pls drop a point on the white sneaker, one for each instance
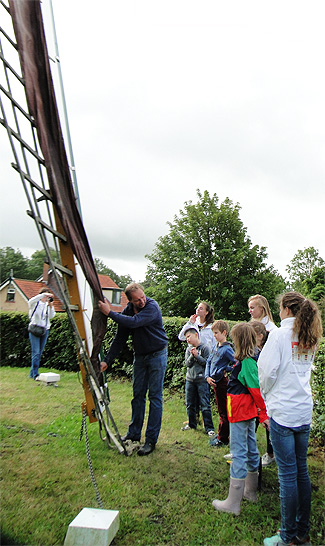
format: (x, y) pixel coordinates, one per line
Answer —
(267, 459)
(211, 433)
(186, 427)
(228, 456)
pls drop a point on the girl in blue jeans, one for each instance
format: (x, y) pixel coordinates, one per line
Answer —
(284, 368)
(244, 404)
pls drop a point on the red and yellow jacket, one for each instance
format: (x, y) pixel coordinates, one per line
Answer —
(244, 400)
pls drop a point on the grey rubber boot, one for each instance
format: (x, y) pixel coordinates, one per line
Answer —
(250, 489)
(235, 495)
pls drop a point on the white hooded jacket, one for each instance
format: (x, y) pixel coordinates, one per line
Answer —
(284, 377)
(40, 312)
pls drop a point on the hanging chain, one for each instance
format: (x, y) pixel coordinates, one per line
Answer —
(91, 471)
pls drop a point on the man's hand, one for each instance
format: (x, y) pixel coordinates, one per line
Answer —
(211, 381)
(104, 307)
(103, 366)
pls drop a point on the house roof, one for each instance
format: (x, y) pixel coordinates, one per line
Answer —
(31, 288)
(107, 283)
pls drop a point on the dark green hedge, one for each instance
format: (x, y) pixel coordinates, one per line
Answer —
(60, 354)
(175, 373)
(318, 388)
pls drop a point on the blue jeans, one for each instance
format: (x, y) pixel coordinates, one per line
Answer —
(37, 346)
(148, 376)
(245, 455)
(290, 450)
(198, 392)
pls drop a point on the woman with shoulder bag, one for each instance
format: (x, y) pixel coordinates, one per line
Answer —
(41, 310)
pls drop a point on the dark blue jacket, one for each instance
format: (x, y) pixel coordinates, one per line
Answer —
(145, 327)
(219, 361)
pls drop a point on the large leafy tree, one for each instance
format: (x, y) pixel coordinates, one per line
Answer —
(121, 280)
(301, 267)
(12, 261)
(207, 255)
(35, 263)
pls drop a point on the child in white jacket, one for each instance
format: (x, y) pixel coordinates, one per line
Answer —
(284, 369)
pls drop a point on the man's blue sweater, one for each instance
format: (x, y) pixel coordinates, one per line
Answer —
(145, 327)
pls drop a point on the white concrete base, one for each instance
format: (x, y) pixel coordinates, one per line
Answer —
(49, 377)
(93, 527)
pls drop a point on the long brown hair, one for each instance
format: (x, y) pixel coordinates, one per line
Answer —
(244, 338)
(210, 312)
(260, 330)
(308, 323)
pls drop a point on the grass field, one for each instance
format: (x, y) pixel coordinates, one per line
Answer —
(163, 499)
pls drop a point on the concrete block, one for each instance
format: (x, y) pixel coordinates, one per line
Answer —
(93, 527)
(49, 377)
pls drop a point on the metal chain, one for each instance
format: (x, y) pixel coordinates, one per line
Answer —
(91, 471)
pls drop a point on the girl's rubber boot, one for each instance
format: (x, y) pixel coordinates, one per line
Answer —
(232, 502)
(251, 484)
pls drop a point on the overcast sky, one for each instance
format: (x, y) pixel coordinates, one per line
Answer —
(165, 97)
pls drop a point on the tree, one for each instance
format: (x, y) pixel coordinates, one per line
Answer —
(12, 260)
(121, 281)
(35, 264)
(301, 267)
(207, 255)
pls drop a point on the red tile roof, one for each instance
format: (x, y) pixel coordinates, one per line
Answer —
(32, 288)
(106, 283)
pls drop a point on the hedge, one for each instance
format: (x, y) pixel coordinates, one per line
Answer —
(60, 354)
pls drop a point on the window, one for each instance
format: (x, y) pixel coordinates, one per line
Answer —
(116, 297)
(11, 294)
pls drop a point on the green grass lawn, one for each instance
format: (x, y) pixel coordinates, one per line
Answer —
(163, 499)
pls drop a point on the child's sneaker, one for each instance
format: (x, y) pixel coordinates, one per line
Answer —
(186, 427)
(228, 456)
(211, 433)
(267, 459)
(277, 541)
(215, 442)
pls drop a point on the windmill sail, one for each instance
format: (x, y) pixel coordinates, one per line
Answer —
(33, 126)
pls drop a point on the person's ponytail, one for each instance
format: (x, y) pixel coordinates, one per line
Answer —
(308, 323)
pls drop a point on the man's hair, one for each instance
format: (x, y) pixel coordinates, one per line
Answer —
(132, 287)
(191, 331)
(220, 325)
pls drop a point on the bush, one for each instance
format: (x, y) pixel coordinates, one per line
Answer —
(318, 389)
(60, 350)
(176, 370)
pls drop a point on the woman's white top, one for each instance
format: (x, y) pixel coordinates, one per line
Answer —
(284, 377)
(269, 325)
(205, 333)
(43, 312)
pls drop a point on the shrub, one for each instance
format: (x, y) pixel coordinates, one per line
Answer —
(60, 350)
(318, 389)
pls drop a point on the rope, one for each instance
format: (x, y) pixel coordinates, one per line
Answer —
(91, 471)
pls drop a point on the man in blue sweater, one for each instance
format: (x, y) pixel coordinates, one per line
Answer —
(142, 319)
